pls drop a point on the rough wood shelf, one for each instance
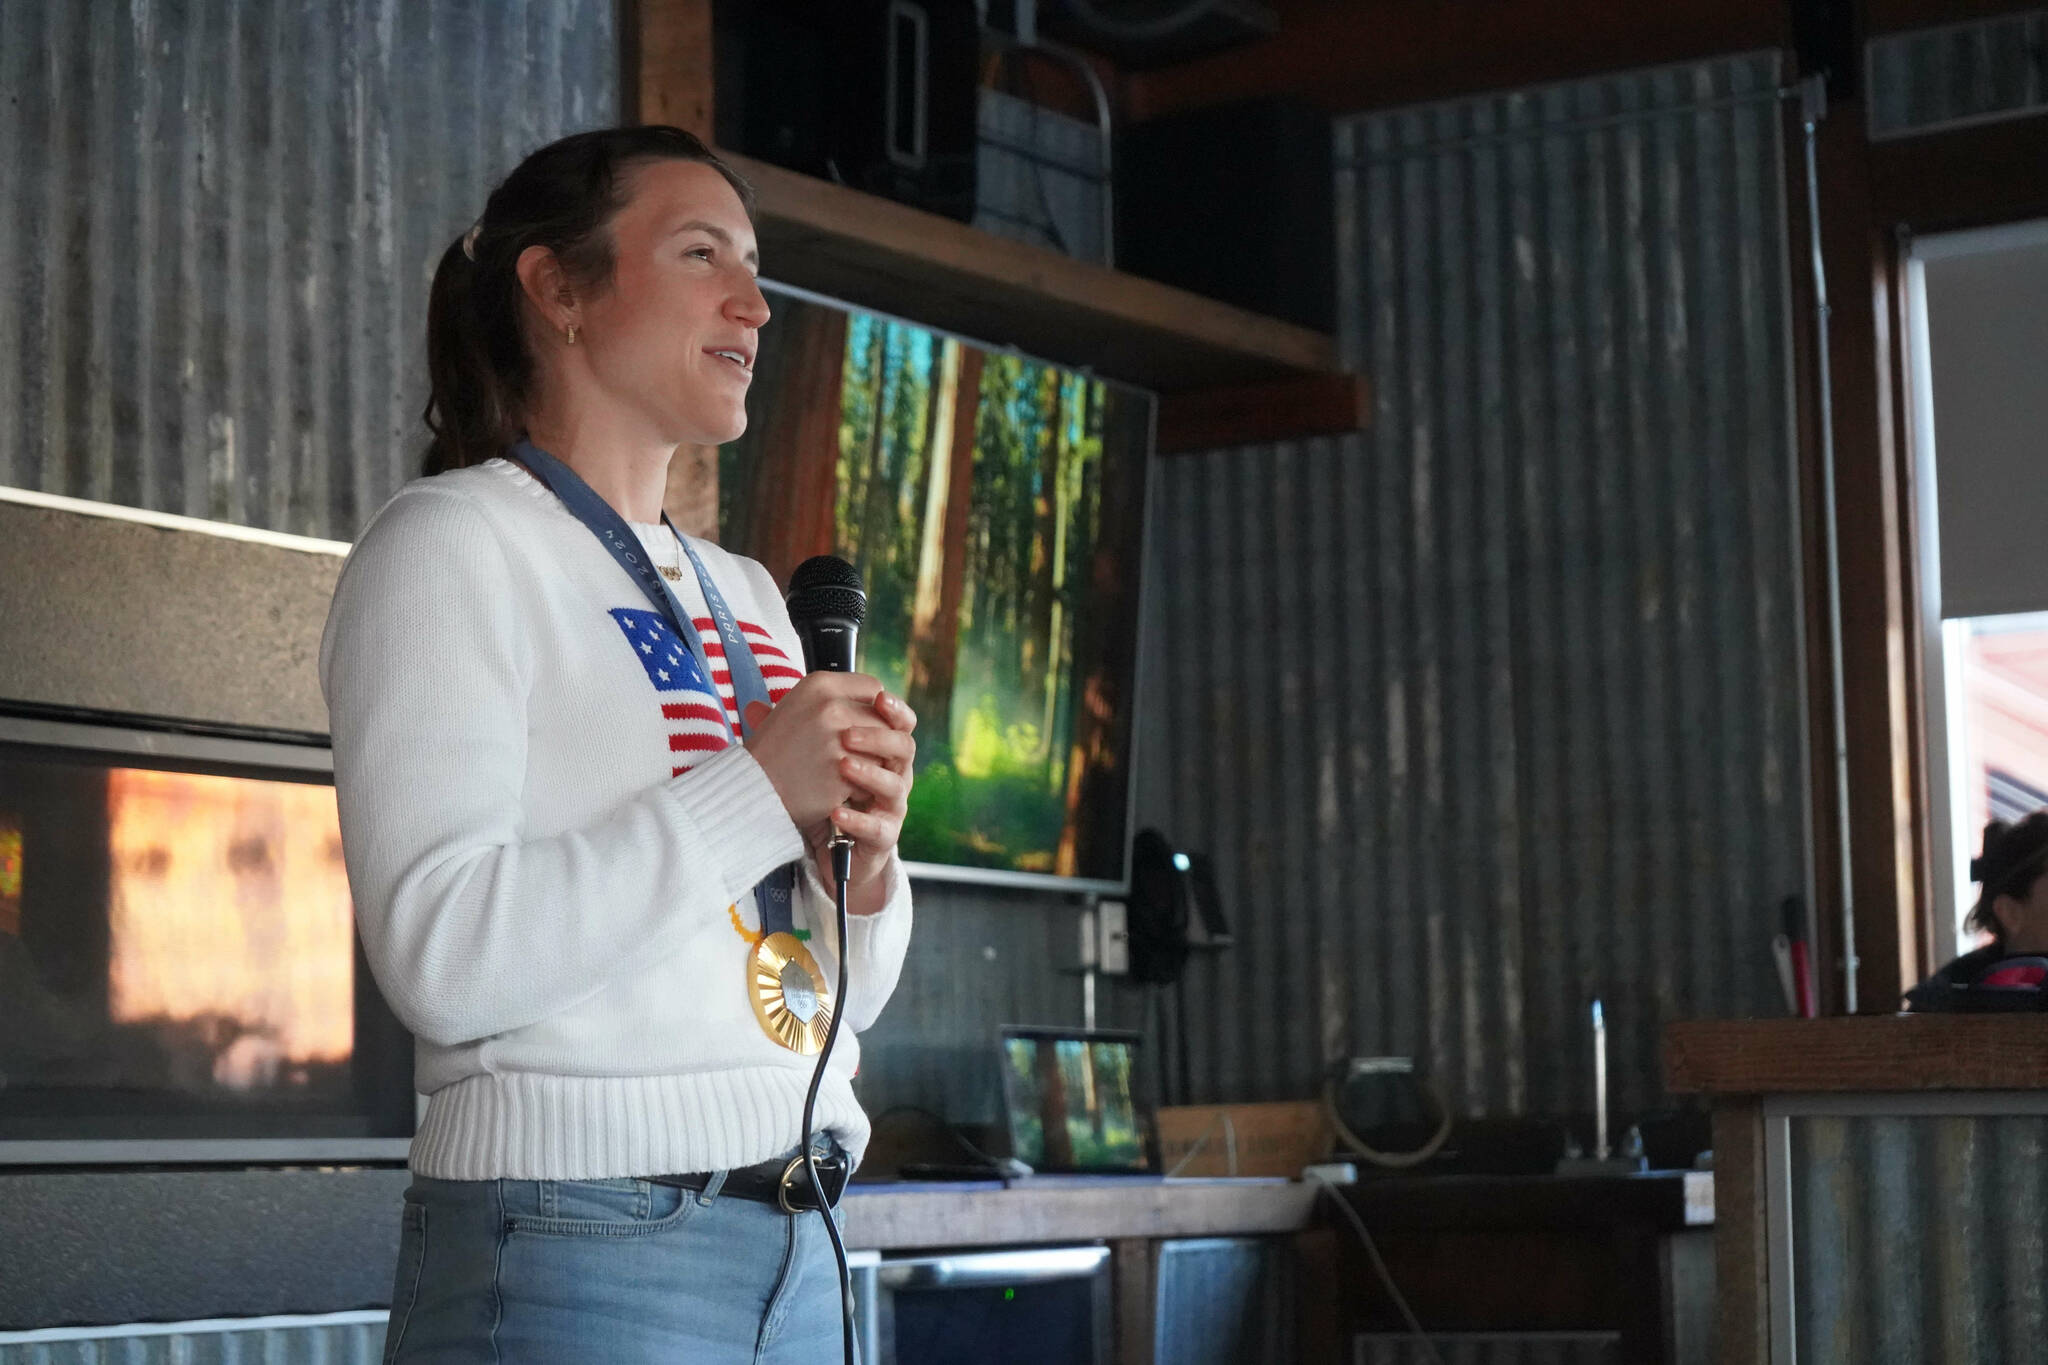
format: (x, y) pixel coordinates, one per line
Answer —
(879, 254)
(1859, 1054)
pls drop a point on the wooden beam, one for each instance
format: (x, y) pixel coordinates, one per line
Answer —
(1977, 176)
(1319, 1290)
(1823, 803)
(691, 495)
(1347, 55)
(1280, 410)
(668, 52)
(876, 253)
(1898, 1052)
(1923, 944)
(1742, 1247)
(1134, 1289)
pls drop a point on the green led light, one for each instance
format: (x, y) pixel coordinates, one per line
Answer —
(1009, 1294)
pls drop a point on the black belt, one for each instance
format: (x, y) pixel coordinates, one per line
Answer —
(782, 1182)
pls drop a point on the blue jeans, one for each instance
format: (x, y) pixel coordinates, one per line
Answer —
(612, 1272)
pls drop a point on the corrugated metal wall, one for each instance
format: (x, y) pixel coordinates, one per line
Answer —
(344, 1339)
(1039, 177)
(1225, 1301)
(1498, 706)
(1921, 1239)
(981, 957)
(1960, 73)
(221, 220)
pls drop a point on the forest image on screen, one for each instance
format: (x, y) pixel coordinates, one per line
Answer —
(1072, 1104)
(992, 506)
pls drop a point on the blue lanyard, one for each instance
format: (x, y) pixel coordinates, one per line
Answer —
(748, 685)
(775, 893)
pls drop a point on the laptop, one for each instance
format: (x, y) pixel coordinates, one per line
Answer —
(1079, 1102)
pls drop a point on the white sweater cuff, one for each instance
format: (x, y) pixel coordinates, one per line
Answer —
(734, 806)
(876, 943)
(895, 901)
(879, 940)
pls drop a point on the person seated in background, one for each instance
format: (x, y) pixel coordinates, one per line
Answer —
(2011, 971)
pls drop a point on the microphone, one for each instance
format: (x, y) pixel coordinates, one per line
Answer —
(827, 605)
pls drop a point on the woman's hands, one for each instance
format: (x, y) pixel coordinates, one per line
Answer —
(838, 750)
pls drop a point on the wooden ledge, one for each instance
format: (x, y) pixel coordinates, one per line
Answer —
(1860, 1054)
(879, 254)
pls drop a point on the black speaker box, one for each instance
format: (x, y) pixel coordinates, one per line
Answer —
(774, 83)
(877, 94)
(1235, 202)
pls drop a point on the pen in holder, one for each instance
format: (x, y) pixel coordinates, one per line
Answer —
(1602, 1162)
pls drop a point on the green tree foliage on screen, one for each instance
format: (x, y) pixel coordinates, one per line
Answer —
(969, 493)
(994, 780)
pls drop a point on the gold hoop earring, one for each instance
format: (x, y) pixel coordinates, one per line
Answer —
(571, 334)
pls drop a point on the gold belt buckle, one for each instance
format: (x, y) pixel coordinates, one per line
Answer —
(782, 1187)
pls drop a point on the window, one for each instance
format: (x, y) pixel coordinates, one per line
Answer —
(1979, 327)
(1997, 725)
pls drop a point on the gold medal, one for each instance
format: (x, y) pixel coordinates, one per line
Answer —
(789, 993)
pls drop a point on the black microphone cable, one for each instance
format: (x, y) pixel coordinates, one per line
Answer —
(827, 606)
(842, 871)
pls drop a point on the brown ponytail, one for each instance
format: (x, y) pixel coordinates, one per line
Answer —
(479, 370)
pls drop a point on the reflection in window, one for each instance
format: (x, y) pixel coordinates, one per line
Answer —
(229, 914)
(1998, 727)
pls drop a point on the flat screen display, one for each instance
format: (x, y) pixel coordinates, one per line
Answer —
(178, 957)
(1077, 1102)
(994, 507)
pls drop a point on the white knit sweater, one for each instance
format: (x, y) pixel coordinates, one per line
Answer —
(551, 867)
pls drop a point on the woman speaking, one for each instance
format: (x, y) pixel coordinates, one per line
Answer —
(585, 798)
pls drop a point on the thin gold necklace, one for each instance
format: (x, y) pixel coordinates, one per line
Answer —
(673, 572)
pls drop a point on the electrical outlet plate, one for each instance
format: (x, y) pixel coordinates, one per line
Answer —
(1113, 945)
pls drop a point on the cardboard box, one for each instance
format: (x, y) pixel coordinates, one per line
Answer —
(1276, 1138)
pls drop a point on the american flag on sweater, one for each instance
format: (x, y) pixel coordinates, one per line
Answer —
(689, 704)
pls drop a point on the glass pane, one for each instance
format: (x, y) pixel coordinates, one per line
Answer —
(170, 942)
(2002, 753)
(229, 914)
